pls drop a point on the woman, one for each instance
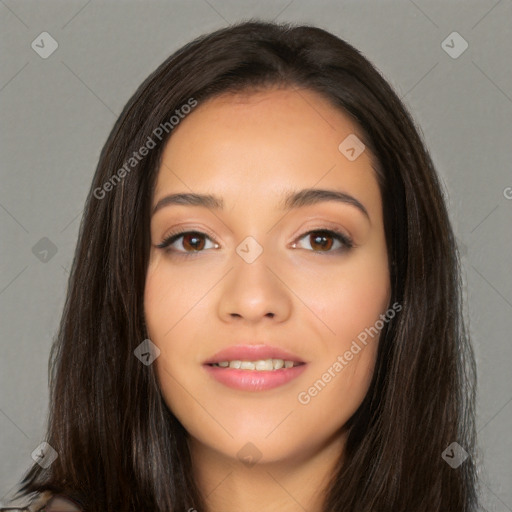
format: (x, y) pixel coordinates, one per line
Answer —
(264, 308)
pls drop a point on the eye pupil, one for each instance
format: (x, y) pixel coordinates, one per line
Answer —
(191, 240)
(321, 239)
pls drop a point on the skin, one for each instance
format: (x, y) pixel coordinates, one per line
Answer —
(250, 149)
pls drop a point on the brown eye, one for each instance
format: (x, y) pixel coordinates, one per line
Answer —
(193, 241)
(323, 240)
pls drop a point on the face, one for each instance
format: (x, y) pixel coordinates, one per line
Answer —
(265, 278)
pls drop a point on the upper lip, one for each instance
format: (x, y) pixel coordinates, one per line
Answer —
(252, 353)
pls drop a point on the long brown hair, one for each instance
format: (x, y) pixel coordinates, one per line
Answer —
(119, 446)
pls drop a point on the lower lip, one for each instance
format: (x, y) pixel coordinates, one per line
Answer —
(254, 380)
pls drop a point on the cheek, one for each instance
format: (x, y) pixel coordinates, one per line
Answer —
(170, 298)
(350, 299)
(340, 378)
(174, 304)
(351, 306)
(165, 303)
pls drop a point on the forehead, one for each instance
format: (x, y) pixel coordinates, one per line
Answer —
(252, 147)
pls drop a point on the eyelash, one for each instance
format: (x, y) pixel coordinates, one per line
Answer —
(346, 241)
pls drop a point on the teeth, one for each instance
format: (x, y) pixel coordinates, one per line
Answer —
(277, 363)
(264, 365)
(260, 365)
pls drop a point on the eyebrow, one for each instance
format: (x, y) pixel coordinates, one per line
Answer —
(297, 199)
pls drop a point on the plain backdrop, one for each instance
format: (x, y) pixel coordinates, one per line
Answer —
(58, 111)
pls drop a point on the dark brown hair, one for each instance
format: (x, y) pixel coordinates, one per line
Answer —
(120, 447)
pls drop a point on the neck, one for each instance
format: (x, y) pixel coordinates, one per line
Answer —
(296, 484)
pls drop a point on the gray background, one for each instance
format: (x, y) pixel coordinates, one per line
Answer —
(58, 111)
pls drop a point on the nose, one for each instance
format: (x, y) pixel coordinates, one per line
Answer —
(253, 291)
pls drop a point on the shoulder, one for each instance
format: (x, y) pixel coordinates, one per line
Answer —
(47, 502)
(61, 504)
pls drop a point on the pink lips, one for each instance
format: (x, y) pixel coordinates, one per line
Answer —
(252, 353)
(253, 380)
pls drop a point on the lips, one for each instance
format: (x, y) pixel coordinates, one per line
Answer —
(254, 379)
(252, 353)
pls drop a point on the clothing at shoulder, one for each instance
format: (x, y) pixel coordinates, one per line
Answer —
(47, 502)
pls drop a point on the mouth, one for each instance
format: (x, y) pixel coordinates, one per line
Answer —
(259, 365)
(254, 367)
